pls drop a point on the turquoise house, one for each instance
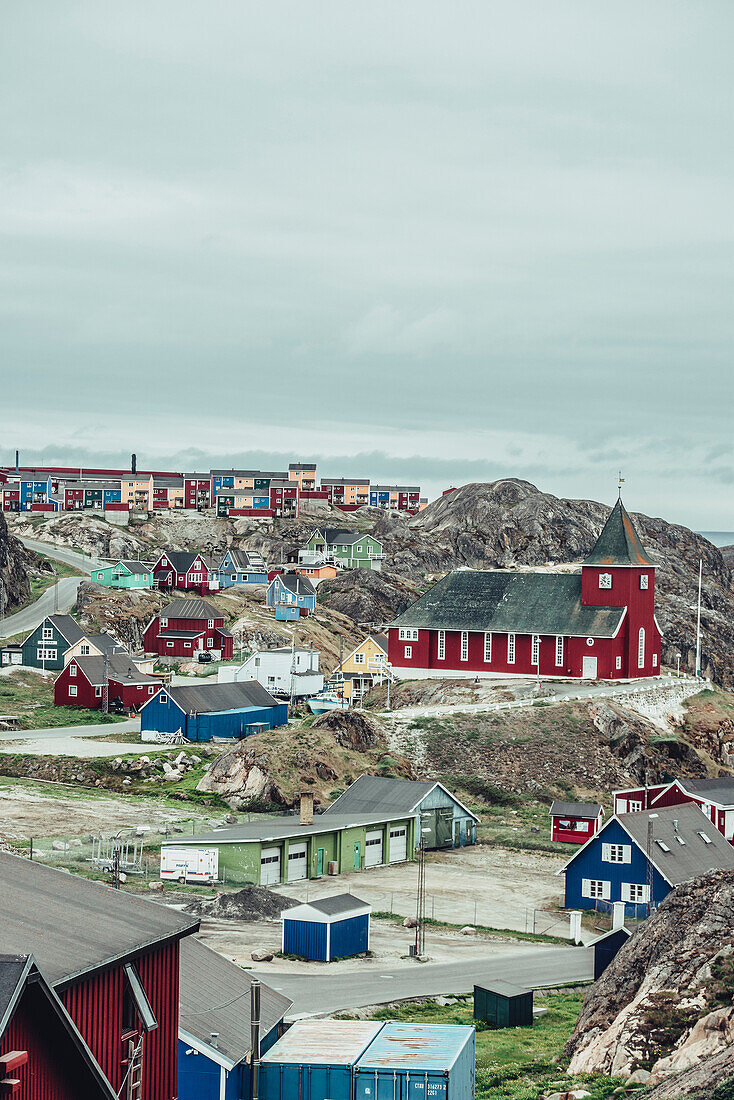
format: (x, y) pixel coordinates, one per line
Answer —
(125, 574)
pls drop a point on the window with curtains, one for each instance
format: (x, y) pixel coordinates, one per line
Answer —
(559, 650)
(510, 649)
(441, 651)
(487, 646)
(465, 645)
(641, 648)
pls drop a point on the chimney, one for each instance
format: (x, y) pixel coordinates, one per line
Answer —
(307, 808)
(17, 461)
(214, 1039)
(133, 464)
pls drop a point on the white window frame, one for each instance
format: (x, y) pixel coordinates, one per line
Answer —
(535, 650)
(162, 698)
(618, 663)
(98, 693)
(559, 650)
(407, 634)
(163, 622)
(464, 645)
(169, 645)
(72, 670)
(359, 659)
(210, 624)
(641, 647)
(654, 660)
(210, 643)
(187, 645)
(644, 582)
(48, 634)
(636, 893)
(45, 654)
(408, 652)
(510, 649)
(634, 806)
(72, 691)
(596, 888)
(441, 646)
(84, 650)
(616, 853)
(487, 646)
(605, 580)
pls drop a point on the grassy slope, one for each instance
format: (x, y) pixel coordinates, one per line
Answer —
(515, 1063)
(31, 696)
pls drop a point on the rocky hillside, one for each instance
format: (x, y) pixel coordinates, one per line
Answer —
(665, 1003)
(15, 565)
(367, 596)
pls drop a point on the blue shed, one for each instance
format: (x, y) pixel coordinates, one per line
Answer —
(614, 865)
(326, 929)
(203, 711)
(315, 1060)
(418, 1061)
(214, 1038)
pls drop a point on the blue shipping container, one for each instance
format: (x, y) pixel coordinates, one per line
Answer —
(314, 1060)
(418, 1062)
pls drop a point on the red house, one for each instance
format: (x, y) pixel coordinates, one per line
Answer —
(82, 682)
(714, 796)
(197, 491)
(596, 623)
(182, 569)
(112, 961)
(185, 628)
(575, 822)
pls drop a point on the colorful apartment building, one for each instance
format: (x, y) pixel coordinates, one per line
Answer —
(349, 493)
(304, 473)
(395, 498)
(348, 549)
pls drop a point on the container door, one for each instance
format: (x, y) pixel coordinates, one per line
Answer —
(398, 844)
(425, 1086)
(385, 1085)
(297, 863)
(269, 866)
(373, 848)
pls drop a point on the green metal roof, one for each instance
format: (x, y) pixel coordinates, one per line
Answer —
(618, 543)
(511, 603)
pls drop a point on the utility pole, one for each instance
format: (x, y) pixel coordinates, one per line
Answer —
(2, 608)
(650, 873)
(698, 619)
(106, 684)
(420, 908)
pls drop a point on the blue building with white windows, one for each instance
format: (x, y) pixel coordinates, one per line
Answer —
(291, 595)
(639, 858)
(241, 567)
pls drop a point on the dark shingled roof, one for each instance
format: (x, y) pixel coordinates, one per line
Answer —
(337, 903)
(67, 627)
(181, 560)
(135, 567)
(683, 861)
(520, 603)
(588, 811)
(244, 560)
(214, 996)
(208, 698)
(190, 609)
(13, 969)
(294, 582)
(374, 793)
(713, 790)
(73, 926)
(619, 543)
(119, 667)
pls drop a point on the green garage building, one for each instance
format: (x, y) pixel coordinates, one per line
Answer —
(281, 849)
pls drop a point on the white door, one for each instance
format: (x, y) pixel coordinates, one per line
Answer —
(588, 668)
(297, 864)
(269, 866)
(373, 848)
(398, 844)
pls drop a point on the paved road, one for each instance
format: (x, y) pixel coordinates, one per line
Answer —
(66, 589)
(131, 725)
(314, 994)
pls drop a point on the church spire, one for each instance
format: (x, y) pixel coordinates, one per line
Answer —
(619, 543)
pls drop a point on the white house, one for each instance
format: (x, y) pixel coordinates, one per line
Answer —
(280, 669)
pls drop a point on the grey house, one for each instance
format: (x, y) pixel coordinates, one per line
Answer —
(450, 823)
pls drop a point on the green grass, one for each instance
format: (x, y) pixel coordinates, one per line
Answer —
(515, 1063)
(31, 697)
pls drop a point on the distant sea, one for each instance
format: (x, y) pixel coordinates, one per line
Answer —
(719, 538)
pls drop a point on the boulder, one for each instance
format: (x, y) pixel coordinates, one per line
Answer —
(468, 930)
(261, 956)
(353, 729)
(410, 922)
(157, 886)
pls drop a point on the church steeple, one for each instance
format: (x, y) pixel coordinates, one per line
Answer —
(619, 543)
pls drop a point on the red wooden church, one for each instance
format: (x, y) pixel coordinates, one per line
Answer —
(103, 1021)
(598, 622)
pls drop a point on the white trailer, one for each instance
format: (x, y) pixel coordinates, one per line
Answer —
(190, 864)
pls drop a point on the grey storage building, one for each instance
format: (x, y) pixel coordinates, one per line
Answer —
(450, 823)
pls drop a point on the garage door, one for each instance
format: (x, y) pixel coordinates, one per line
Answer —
(373, 848)
(398, 844)
(269, 866)
(297, 864)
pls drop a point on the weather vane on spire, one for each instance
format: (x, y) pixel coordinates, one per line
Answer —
(620, 484)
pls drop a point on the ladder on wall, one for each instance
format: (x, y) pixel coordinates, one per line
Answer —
(135, 1070)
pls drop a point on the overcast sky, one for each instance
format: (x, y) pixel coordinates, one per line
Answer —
(429, 241)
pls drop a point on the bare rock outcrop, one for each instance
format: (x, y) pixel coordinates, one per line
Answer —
(665, 1001)
(241, 776)
(350, 728)
(366, 595)
(123, 613)
(15, 565)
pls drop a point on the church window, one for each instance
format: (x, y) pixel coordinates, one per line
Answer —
(559, 650)
(641, 648)
(441, 655)
(510, 649)
(465, 645)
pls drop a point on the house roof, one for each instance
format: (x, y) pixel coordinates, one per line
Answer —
(243, 559)
(67, 627)
(521, 603)
(301, 465)
(214, 996)
(135, 566)
(294, 582)
(186, 634)
(677, 862)
(120, 668)
(720, 791)
(289, 825)
(13, 972)
(104, 642)
(380, 640)
(588, 811)
(210, 698)
(74, 926)
(337, 903)
(380, 794)
(340, 536)
(181, 560)
(618, 543)
(192, 608)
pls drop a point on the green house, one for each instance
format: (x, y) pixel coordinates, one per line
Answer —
(125, 574)
(350, 549)
(46, 645)
(281, 849)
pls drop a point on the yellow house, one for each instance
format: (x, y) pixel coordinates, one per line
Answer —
(362, 669)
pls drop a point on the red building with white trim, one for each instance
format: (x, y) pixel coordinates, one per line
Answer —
(715, 797)
(575, 822)
(113, 962)
(81, 683)
(185, 628)
(182, 570)
(595, 623)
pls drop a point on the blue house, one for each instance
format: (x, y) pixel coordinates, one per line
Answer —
(614, 865)
(329, 928)
(213, 710)
(291, 595)
(34, 492)
(214, 1038)
(241, 567)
